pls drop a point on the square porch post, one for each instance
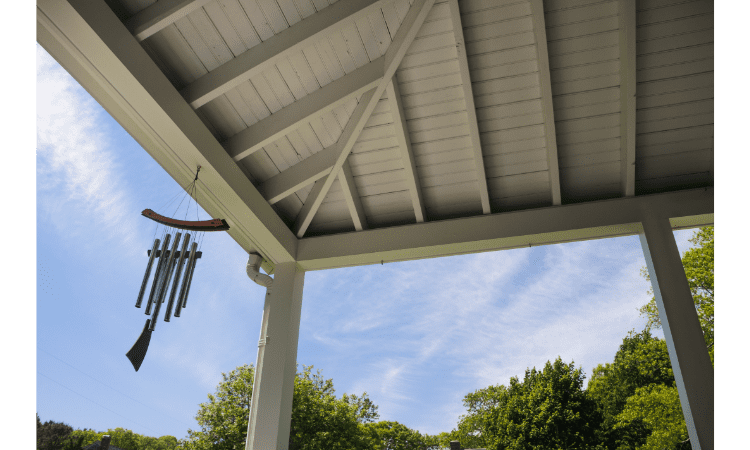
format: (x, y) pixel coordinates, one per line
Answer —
(276, 367)
(691, 363)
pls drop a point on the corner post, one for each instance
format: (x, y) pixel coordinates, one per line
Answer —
(691, 363)
(276, 367)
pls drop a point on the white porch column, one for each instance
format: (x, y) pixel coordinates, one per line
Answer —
(276, 367)
(687, 349)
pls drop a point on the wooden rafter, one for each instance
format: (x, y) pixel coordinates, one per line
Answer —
(471, 112)
(340, 151)
(160, 15)
(404, 145)
(353, 202)
(264, 55)
(393, 56)
(627, 96)
(540, 33)
(304, 110)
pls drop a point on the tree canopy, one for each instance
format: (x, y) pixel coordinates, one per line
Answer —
(641, 361)
(320, 420)
(124, 439)
(548, 409)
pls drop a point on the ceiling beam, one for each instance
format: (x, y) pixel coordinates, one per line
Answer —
(404, 146)
(353, 202)
(471, 112)
(304, 110)
(160, 15)
(537, 10)
(532, 227)
(393, 56)
(627, 96)
(94, 46)
(264, 55)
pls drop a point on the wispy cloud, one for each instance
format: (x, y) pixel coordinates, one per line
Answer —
(76, 165)
(467, 322)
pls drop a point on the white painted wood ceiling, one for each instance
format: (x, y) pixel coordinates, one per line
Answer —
(511, 104)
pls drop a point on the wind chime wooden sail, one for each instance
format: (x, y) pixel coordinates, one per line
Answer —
(170, 263)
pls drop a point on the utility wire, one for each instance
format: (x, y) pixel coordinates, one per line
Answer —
(71, 390)
(101, 382)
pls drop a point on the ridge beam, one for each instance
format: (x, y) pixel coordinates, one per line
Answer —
(160, 15)
(264, 55)
(627, 96)
(404, 145)
(471, 112)
(393, 56)
(304, 110)
(537, 12)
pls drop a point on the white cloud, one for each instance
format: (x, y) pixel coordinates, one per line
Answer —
(76, 167)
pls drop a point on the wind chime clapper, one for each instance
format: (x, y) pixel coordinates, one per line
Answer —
(173, 266)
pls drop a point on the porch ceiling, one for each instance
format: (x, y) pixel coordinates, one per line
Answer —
(350, 132)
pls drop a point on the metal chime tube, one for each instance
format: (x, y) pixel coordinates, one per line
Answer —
(189, 279)
(185, 280)
(157, 275)
(167, 276)
(178, 272)
(148, 273)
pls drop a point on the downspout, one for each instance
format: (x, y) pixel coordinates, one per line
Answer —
(253, 271)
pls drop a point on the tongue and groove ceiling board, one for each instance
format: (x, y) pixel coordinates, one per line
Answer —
(351, 116)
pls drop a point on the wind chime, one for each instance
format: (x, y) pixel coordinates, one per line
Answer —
(183, 253)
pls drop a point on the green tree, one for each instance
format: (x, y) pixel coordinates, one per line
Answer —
(125, 439)
(547, 410)
(52, 435)
(699, 269)
(472, 429)
(319, 419)
(658, 408)
(641, 361)
(396, 436)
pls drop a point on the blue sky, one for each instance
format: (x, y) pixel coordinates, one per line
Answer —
(416, 336)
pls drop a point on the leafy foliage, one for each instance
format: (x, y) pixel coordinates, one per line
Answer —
(319, 419)
(52, 435)
(699, 269)
(658, 408)
(125, 439)
(396, 436)
(547, 410)
(642, 360)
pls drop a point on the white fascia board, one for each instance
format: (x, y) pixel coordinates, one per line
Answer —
(542, 226)
(627, 96)
(471, 112)
(540, 32)
(91, 43)
(304, 110)
(160, 15)
(264, 55)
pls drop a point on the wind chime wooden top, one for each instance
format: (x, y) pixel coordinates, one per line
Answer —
(170, 265)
